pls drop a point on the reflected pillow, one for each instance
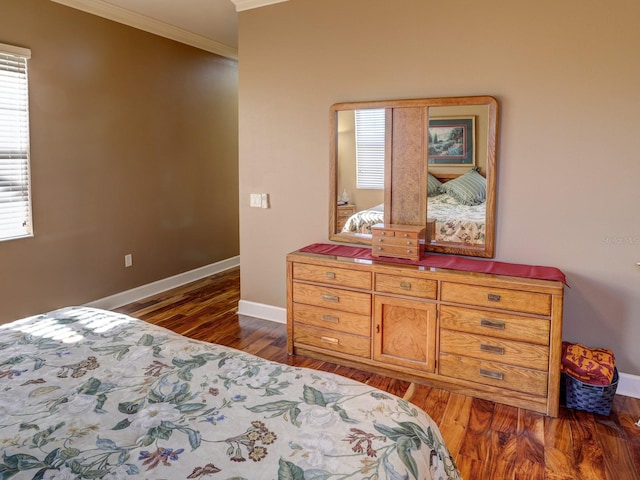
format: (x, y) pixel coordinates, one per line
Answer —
(433, 185)
(468, 189)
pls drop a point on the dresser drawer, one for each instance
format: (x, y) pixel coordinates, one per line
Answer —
(406, 242)
(333, 319)
(516, 300)
(394, 251)
(533, 382)
(332, 276)
(332, 298)
(494, 349)
(332, 340)
(500, 325)
(398, 232)
(415, 287)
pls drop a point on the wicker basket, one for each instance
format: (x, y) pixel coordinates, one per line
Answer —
(590, 398)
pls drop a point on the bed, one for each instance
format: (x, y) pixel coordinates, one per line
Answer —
(456, 209)
(92, 394)
(452, 221)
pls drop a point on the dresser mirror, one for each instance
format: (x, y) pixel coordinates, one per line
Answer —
(428, 162)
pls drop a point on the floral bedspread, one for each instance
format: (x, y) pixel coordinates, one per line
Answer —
(362, 221)
(454, 222)
(91, 394)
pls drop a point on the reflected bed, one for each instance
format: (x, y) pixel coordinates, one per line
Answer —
(454, 221)
(88, 393)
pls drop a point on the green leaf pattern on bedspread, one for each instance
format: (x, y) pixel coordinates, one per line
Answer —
(89, 394)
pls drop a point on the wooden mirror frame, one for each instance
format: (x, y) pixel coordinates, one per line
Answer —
(406, 144)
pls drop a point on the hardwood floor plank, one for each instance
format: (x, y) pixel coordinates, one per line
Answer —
(435, 403)
(530, 446)
(588, 455)
(488, 441)
(618, 460)
(626, 411)
(503, 443)
(475, 444)
(559, 455)
(454, 422)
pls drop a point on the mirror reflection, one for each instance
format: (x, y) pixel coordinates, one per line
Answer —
(360, 171)
(441, 155)
(457, 169)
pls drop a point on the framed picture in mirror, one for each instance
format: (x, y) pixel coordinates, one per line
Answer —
(452, 141)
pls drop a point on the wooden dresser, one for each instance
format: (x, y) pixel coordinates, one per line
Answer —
(489, 336)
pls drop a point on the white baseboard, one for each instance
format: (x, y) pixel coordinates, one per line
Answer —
(144, 291)
(260, 310)
(628, 385)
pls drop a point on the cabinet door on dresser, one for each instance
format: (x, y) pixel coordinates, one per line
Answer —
(405, 333)
(405, 328)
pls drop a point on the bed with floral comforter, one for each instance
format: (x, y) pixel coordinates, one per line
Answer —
(92, 394)
(454, 222)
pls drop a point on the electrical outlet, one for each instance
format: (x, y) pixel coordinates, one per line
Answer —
(128, 260)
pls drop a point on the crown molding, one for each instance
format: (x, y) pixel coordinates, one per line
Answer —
(249, 4)
(142, 22)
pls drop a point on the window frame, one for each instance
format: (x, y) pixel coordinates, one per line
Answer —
(15, 156)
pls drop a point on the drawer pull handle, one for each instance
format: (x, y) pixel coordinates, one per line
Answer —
(380, 249)
(493, 297)
(404, 285)
(492, 349)
(485, 322)
(330, 275)
(490, 374)
(332, 341)
(330, 318)
(330, 298)
(378, 328)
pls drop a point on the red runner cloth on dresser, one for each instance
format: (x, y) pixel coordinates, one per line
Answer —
(445, 261)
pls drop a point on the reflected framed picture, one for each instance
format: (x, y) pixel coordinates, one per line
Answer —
(452, 141)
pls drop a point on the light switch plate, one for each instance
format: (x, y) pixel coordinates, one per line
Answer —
(256, 200)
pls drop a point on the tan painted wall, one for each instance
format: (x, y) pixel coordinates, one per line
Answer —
(133, 150)
(566, 76)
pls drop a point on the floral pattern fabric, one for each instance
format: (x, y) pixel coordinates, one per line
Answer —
(454, 221)
(91, 394)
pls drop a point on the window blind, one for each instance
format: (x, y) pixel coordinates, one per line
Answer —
(15, 191)
(369, 129)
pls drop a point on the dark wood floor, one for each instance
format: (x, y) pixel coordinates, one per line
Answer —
(489, 441)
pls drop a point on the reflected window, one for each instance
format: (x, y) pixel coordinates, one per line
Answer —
(369, 130)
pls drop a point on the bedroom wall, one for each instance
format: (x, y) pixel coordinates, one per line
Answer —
(133, 150)
(566, 76)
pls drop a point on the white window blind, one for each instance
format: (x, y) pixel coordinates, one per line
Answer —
(370, 148)
(15, 191)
